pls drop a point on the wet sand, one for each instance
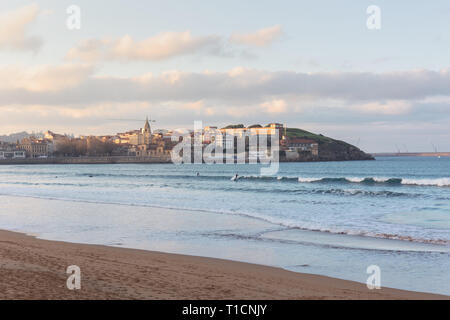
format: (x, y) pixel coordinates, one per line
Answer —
(32, 268)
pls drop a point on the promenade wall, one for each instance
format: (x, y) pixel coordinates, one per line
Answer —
(89, 160)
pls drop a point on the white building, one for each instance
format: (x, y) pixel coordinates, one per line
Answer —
(12, 154)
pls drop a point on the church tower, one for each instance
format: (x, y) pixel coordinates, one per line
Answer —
(147, 132)
(147, 127)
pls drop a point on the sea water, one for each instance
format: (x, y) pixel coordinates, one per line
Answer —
(329, 218)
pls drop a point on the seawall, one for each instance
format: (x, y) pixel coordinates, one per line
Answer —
(88, 160)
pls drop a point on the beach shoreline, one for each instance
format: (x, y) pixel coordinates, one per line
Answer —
(32, 268)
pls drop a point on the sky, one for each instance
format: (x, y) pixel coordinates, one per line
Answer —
(309, 64)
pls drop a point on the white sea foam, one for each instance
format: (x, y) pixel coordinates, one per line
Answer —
(380, 179)
(354, 179)
(440, 182)
(300, 179)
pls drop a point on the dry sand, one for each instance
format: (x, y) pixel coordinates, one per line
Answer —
(31, 268)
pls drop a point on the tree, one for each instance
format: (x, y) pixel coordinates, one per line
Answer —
(234, 126)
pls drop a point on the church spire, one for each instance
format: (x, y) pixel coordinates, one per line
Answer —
(147, 126)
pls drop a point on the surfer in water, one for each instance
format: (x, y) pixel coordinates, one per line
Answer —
(235, 177)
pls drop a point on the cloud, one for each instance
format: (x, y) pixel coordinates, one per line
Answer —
(13, 29)
(167, 45)
(386, 108)
(162, 46)
(46, 78)
(194, 106)
(259, 38)
(275, 106)
(53, 84)
(238, 94)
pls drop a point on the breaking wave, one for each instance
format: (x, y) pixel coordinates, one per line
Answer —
(439, 182)
(284, 223)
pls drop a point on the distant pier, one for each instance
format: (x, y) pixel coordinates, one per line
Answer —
(412, 154)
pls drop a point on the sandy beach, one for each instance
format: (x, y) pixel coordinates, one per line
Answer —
(32, 268)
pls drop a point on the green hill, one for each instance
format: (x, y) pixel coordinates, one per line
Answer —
(330, 149)
(299, 133)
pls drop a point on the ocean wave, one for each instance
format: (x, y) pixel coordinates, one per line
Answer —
(252, 215)
(26, 183)
(377, 235)
(332, 231)
(308, 179)
(439, 182)
(442, 245)
(356, 192)
(165, 176)
(318, 191)
(236, 187)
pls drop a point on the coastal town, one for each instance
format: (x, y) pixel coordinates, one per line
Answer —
(224, 159)
(145, 143)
